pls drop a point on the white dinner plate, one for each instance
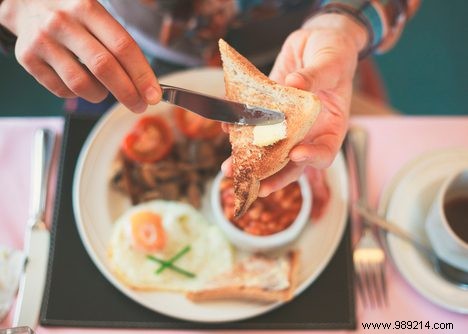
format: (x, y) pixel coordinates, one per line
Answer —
(96, 206)
(406, 202)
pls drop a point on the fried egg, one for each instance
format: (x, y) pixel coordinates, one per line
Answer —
(161, 230)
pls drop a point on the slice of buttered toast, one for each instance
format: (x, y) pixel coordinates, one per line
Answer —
(257, 277)
(260, 151)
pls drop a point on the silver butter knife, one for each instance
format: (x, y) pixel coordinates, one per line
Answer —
(219, 109)
(37, 238)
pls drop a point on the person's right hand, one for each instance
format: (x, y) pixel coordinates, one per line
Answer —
(76, 48)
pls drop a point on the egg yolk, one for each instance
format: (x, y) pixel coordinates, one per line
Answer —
(148, 232)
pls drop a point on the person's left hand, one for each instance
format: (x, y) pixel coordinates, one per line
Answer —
(321, 58)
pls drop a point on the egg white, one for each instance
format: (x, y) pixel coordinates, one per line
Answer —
(210, 253)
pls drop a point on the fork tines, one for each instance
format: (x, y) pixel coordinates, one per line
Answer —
(369, 264)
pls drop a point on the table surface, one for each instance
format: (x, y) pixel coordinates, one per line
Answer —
(393, 141)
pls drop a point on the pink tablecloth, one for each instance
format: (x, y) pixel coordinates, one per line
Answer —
(393, 142)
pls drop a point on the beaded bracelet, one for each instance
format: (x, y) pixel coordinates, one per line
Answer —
(383, 19)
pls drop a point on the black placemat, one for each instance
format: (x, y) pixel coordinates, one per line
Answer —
(78, 295)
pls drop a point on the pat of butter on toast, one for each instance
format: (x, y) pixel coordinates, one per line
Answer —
(265, 135)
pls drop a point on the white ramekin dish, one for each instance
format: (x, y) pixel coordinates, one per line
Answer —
(253, 243)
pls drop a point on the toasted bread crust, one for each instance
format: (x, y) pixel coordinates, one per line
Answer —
(238, 293)
(252, 293)
(251, 164)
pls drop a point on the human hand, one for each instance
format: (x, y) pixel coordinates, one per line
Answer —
(321, 57)
(76, 48)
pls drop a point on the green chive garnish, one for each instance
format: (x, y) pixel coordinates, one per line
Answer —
(170, 263)
(173, 259)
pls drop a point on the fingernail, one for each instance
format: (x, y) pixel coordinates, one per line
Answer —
(224, 167)
(264, 192)
(140, 107)
(298, 158)
(152, 95)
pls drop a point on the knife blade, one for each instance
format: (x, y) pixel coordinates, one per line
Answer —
(37, 236)
(219, 109)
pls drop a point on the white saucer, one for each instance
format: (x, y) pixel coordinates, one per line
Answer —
(406, 202)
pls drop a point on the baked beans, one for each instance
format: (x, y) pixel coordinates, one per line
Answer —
(267, 215)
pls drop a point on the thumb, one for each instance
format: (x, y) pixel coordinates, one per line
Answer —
(313, 78)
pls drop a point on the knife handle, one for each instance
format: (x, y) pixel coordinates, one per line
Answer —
(356, 146)
(357, 140)
(32, 283)
(44, 141)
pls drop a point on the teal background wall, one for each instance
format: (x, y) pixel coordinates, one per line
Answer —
(426, 73)
(21, 95)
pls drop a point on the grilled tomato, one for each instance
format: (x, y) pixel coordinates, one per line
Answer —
(150, 140)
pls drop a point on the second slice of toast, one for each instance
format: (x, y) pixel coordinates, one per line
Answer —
(257, 277)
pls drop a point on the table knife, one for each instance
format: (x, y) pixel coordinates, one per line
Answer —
(219, 109)
(37, 237)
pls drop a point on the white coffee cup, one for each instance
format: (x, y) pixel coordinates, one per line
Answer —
(447, 244)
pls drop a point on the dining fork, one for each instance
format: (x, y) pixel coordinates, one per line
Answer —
(368, 255)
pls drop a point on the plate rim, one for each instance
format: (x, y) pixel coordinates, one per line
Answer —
(383, 206)
(77, 177)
